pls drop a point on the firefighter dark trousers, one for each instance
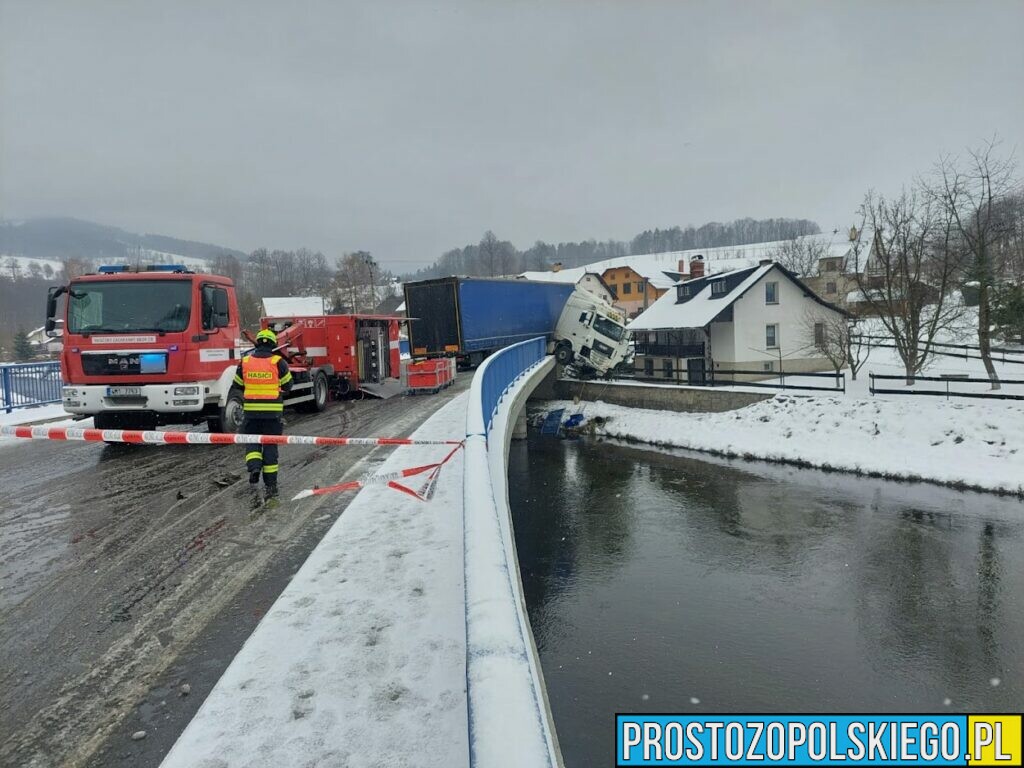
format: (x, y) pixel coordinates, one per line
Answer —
(262, 457)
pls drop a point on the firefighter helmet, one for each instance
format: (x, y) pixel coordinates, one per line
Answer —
(266, 336)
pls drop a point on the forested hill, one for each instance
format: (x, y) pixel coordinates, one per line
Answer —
(58, 239)
(492, 256)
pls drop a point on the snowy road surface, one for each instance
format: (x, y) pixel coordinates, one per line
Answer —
(127, 572)
(361, 662)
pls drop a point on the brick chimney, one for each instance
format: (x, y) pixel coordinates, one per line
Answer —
(682, 266)
(696, 267)
(556, 267)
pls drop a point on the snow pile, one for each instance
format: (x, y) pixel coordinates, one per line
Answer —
(38, 414)
(361, 661)
(976, 445)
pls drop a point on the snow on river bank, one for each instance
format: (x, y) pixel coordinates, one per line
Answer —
(976, 445)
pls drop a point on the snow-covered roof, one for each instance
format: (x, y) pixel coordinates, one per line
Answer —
(701, 309)
(562, 276)
(659, 268)
(293, 305)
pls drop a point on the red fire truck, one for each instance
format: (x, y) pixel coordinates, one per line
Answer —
(160, 346)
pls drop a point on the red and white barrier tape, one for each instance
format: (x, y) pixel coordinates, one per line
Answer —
(390, 479)
(154, 437)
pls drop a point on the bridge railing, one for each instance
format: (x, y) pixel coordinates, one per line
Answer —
(499, 371)
(510, 721)
(27, 384)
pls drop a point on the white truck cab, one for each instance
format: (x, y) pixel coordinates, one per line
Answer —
(590, 334)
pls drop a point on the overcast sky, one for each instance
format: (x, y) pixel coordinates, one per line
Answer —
(410, 128)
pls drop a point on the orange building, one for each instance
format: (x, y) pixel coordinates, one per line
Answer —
(633, 292)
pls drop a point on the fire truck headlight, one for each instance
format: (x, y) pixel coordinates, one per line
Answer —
(186, 390)
(69, 392)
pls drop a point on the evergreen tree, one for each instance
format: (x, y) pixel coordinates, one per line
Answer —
(22, 346)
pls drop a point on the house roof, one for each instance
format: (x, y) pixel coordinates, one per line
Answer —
(283, 306)
(573, 276)
(701, 308)
(662, 269)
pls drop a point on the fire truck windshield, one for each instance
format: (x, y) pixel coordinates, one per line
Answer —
(164, 306)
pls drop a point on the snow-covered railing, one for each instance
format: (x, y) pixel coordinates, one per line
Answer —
(29, 384)
(509, 719)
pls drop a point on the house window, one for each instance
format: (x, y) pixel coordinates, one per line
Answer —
(684, 291)
(627, 287)
(830, 287)
(666, 368)
(771, 293)
(640, 287)
(648, 367)
(718, 288)
(819, 334)
(771, 336)
(769, 365)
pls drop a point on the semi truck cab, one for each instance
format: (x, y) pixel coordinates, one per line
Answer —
(590, 335)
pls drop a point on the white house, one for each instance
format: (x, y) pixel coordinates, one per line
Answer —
(760, 319)
(590, 282)
(43, 344)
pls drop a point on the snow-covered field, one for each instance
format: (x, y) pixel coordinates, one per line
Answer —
(23, 265)
(967, 443)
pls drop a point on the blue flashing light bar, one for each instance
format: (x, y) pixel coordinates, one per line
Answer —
(108, 269)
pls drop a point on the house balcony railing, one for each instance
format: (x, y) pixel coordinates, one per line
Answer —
(670, 350)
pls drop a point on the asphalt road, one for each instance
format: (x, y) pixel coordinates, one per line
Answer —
(130, 576)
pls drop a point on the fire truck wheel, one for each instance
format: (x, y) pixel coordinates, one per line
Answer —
(319, 401)
(231, 415)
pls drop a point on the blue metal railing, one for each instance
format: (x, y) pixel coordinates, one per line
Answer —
(503, 368)
(29, 384)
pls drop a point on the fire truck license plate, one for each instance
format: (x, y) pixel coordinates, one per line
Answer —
(124, 391)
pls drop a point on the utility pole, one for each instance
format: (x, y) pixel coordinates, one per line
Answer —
(373, 287)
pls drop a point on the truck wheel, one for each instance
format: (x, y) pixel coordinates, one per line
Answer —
(231, 415)
(319, 401)
(563, 353)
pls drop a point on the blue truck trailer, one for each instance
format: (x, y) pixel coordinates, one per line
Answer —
(471, 317)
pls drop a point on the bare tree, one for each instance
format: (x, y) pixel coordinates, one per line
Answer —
(13, 266)
(354, 282)
(490, 250)
(973, 193)
(834, 336)
(801, 255)
(907, 273)
(826, 333)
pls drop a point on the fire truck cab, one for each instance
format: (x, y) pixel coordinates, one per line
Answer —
(160, 346)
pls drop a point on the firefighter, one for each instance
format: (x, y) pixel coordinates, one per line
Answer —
(264, 377)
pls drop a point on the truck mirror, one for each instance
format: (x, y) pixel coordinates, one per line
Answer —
(51, 309)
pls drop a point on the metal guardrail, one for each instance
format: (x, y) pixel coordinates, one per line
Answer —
(947, 392)
(504, 367)
(998, 354)
(714, 378)
(838, 378)
(24, 385)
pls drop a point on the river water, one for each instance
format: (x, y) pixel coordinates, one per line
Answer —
(676, 582)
